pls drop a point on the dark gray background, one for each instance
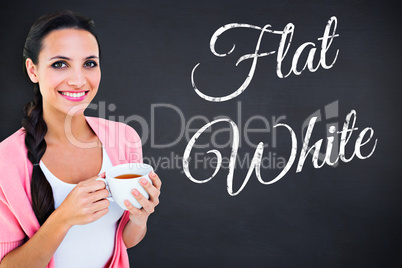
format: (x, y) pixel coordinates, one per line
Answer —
(348, 216)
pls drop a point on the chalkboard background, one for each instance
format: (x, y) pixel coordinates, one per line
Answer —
(343, 216)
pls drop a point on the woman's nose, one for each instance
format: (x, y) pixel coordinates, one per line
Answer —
(77, 79)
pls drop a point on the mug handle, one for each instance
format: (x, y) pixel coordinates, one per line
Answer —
(110, 198)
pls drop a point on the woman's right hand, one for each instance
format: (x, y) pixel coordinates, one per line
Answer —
(86, 203)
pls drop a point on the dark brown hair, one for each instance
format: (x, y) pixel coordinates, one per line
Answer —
(33, 123)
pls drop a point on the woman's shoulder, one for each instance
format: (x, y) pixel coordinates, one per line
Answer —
(121, 141)
(13, 155)
(15, 143)
(102, 126)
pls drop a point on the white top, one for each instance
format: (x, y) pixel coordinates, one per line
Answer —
(89, 245)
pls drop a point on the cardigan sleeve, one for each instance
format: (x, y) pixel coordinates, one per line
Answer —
(10, 229)
(11, 233)
(6, 247)
(12, 193)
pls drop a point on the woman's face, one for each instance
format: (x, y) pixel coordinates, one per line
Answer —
(67, 71)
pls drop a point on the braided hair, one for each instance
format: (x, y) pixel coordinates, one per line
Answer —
(33, 122)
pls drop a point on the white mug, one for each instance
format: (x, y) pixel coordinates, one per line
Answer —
(120, 189)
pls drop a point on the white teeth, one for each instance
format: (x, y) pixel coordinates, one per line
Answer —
(73, 95)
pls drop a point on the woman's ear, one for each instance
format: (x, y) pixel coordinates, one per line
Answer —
(31, 70)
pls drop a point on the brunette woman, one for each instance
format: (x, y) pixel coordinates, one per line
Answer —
(53, 211)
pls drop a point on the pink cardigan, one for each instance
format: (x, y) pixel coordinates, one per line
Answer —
(17, 219)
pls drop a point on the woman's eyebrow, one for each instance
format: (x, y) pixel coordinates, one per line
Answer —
(59, 57)
(92, 57)
(67, 58)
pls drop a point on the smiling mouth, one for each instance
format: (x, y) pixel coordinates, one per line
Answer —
(73, 94)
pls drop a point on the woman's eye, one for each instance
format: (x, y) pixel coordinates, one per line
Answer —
(90, 64)
(59, 64)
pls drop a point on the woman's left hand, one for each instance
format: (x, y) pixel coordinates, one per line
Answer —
(139, 217)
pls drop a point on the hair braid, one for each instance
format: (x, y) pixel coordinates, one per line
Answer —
(35, 131)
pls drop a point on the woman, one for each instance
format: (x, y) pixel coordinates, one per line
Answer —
(53, 211)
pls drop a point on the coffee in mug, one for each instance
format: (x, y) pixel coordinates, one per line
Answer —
(127, 176)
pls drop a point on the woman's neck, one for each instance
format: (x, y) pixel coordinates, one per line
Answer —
(64, 129)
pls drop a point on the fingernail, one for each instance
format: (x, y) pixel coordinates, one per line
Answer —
(126, 203)
(152, 174)
(143, 181)
(135, 192)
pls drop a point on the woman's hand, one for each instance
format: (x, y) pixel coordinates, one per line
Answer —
(86, 203)
(139, 217)
(135, 229)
